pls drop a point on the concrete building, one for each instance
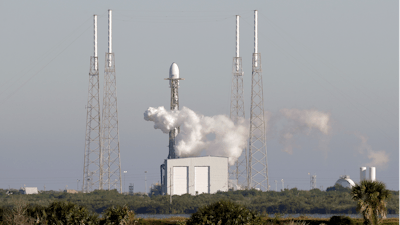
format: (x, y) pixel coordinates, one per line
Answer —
(28, 190)
(195, 175)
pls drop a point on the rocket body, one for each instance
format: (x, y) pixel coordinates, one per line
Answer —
(174, 85)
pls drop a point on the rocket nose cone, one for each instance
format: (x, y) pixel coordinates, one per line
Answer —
(174, 71)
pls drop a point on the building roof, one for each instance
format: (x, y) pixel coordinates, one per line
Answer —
(345, 181)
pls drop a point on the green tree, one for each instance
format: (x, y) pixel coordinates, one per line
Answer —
(224, 212)
(62, 213)
(118, 215)
(371, 197)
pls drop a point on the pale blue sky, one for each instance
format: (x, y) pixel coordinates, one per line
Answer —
(340, 57)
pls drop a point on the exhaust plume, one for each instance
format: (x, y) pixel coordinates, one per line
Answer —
(230, 138)
(303, 122)
(378, 158)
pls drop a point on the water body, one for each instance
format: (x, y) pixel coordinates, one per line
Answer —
(163, 216)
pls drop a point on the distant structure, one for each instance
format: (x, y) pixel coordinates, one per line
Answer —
(238, 172)
(314, 182)
(92, 169)
(257, 166)
(130, 189)
(28, 190)
(372, 174)
(110, 134)
(363, 173)
(195, 175)
(174, 105)
(345, 181)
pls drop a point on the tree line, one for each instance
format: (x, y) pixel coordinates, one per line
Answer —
(336, 200)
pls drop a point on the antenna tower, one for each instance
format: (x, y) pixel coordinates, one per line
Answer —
(110, 135)
(92, 169)
(257, 167)
(238, 171)
(314, 182)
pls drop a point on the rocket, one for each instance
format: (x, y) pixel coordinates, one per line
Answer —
(174, 85)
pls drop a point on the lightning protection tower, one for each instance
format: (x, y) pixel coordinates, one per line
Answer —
(110, 136)
(92, 169)
(238, 171)
(257, 168)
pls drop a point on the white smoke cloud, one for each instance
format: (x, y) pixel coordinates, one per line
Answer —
(378, 158)
(309, 118)
(303, 122)
(230, 138)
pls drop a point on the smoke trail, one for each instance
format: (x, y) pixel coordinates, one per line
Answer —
(230, 138)
(303, 122)
(378, 158)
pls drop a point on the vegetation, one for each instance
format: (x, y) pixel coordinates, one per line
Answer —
(291, 201)
(224, 212)
(340, 220)
(371, 197)
(62, 213)
(118, 215)
(68, 213)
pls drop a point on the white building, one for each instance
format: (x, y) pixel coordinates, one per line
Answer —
(345, 181)
(195, 175)
(28, 190)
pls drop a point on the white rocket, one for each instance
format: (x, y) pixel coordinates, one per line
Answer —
(174, 85)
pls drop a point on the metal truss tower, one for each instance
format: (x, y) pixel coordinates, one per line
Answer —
(313, 182)
(174, 85)
(92, 169)
(238, 171)
(257, 167)
(110, 136)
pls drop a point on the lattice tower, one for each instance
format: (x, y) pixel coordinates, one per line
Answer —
(92, 169)
(314, 182)
(238, 171)
(257, 166)
(110, 134)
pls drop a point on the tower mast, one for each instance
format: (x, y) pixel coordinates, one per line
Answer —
(238, 171)
(258, 167)
(92, 169)
(110, 133)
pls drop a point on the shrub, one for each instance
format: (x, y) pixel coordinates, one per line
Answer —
(65, 213)
(341, 220)
(224, 212)
(16, 215)
(118, 215)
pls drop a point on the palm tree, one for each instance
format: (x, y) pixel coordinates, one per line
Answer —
(371, 197)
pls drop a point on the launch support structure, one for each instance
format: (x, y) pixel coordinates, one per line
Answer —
(110, 134)
(257, 165)
(92, 169)
(238, 171)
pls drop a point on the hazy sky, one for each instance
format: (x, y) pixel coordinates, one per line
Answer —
(336, 57)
